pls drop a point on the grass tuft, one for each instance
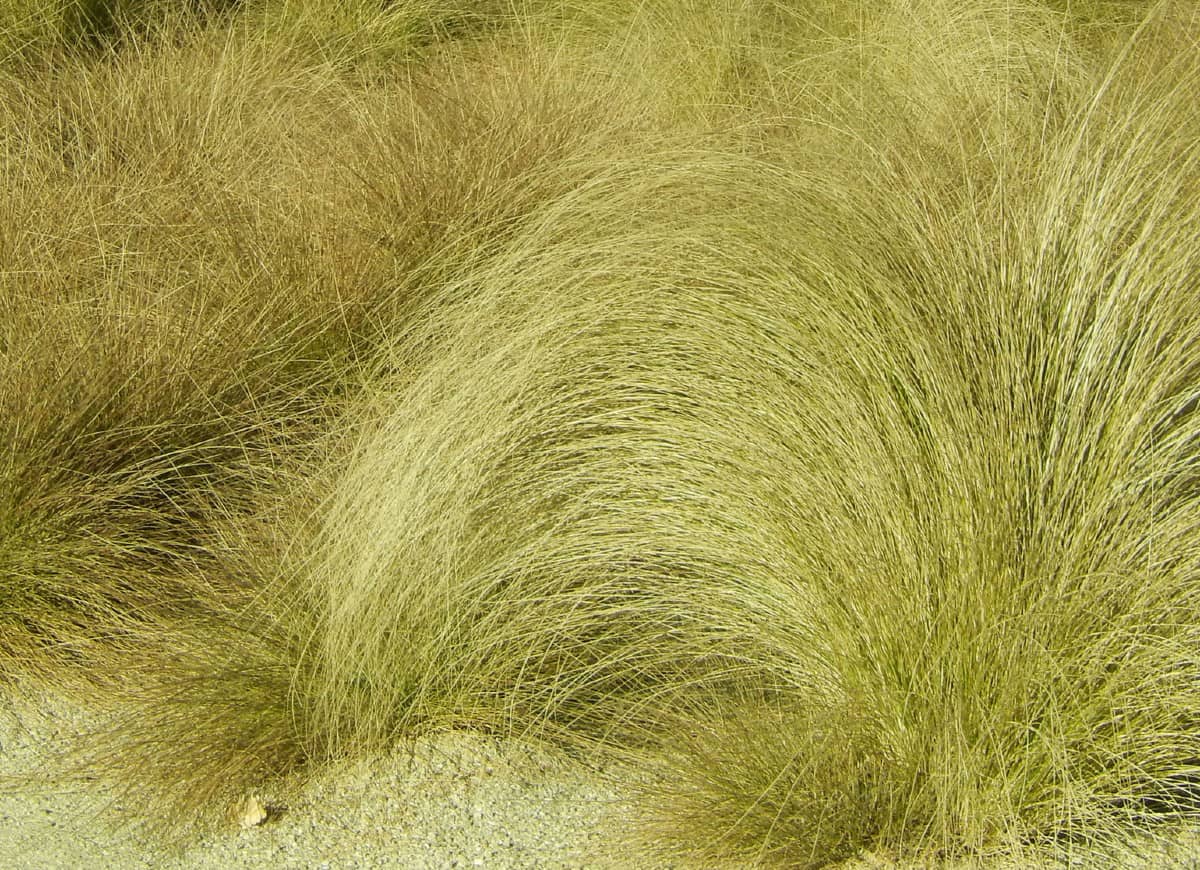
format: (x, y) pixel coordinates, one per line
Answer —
(794, 401)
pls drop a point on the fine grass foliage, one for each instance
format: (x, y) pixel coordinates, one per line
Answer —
(152, 330)
(791, 407)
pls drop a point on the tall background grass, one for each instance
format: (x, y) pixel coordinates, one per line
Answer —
(790, 405)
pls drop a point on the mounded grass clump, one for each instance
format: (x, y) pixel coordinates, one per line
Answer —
(811, 429)
(154, 339)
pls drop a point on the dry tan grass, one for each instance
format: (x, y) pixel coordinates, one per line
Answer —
(795, 400)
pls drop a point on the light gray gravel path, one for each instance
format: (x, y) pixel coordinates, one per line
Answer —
(457, 801)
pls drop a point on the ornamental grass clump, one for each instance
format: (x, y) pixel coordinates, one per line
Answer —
(884, 485)
(789, 407)
(155, 340)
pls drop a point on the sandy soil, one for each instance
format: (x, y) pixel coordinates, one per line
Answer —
(456, 801)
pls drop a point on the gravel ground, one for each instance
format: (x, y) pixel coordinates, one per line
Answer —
(455, 801)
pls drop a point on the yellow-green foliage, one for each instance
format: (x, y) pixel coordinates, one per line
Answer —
(796, 400)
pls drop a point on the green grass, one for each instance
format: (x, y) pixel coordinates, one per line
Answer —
(793, 401)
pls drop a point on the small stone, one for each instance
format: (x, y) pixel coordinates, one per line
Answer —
(253, 812)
